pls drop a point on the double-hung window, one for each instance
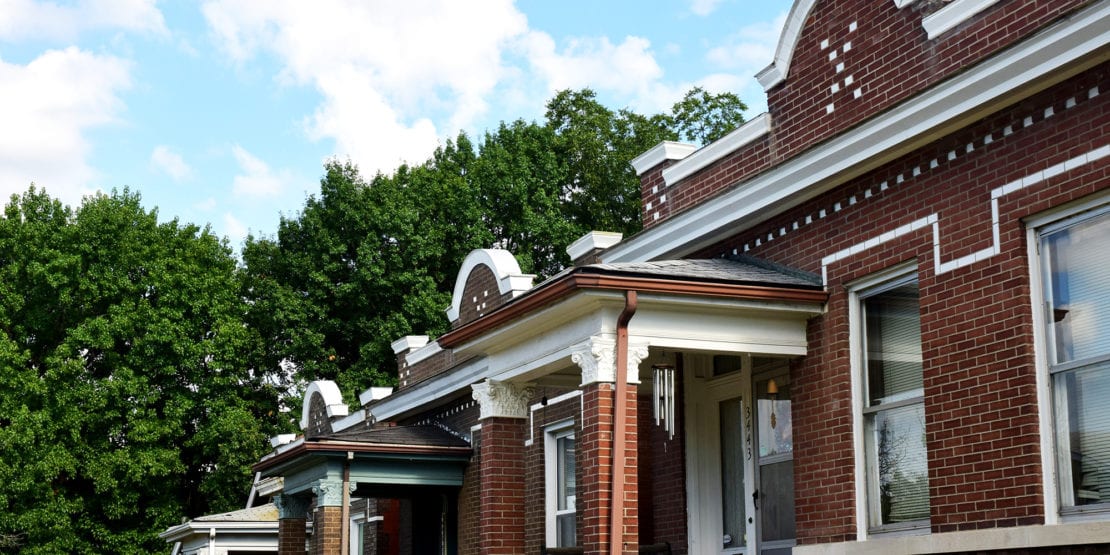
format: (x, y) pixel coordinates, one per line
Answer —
(1074, 256)
(560, 470)
(888, 332)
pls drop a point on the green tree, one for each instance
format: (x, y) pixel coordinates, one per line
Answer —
(123, 401)
(600, 190)
(702, 117)
(368, 261)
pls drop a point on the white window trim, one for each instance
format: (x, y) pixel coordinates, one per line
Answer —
(1045, 413)
(551, 434)
(857, 291)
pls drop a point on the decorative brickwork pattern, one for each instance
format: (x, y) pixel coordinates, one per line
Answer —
(854, 60)
(981, 407)
(481, 295)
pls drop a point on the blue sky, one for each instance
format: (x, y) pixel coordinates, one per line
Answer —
(222, 112)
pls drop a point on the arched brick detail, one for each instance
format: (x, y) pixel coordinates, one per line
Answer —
(487, 279)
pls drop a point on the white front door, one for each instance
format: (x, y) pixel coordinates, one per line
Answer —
(739, 455)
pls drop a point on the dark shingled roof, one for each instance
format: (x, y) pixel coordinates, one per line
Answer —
(428, 436)
(741, 269)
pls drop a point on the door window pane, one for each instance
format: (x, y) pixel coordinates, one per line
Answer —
(776, 501)
(732, 474)
(776, 430)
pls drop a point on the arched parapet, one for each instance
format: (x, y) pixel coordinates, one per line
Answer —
(322, 402)
(487, 279)
(791, 31)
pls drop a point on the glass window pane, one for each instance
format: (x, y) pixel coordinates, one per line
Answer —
(776, 432)
(1084, 439)
(565, 530)
(897, 461)
(566, 477)
(776, 500)
(1078, 289)
(732, 473)
(892, 323)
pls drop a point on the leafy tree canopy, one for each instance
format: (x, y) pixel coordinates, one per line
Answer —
(368, 261)
(124, 403)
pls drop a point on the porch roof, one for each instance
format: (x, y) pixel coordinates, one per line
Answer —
(739, 277)
(387, 455)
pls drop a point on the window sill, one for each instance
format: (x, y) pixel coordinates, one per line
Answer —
(1018, 537)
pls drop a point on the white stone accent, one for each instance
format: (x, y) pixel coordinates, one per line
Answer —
(497, 399)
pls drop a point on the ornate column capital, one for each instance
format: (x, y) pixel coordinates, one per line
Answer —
(329, 493)
(502, 399)
(291, 506)
(597, 356)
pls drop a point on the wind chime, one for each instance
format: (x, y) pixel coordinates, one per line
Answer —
(663, 395)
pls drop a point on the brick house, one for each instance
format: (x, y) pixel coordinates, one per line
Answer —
(875, 319)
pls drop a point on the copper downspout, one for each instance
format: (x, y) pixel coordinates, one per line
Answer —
(616, 515)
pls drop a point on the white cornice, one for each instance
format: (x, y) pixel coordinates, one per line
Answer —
(443, 386)
(408, 343)
(666, 150)
(1028, 67)
(750, 131)
(952, 15)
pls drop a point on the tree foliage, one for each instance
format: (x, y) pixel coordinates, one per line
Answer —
(124, 404)
(368, 261)
(141, 368)
(703, 117)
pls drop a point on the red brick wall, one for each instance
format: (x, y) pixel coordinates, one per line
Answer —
(981, 410)
(889, 60)
(291, 534)
(327, 523)
(481, 295)
(535, 474)
(501, 513)
(662, 475)
(470, 500)
(595, 443)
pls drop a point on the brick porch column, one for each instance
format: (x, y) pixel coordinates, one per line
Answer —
(327, 519)
(504, 410)
(597, 358)
(292, 521)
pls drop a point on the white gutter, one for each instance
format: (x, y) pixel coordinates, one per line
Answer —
(1034, 64)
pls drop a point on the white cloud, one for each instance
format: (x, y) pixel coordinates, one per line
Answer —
(206, 204)
(740, 57)
(234, 229)
(751, 48)
(28, 19)
(384, 69)
(257, 179)
(170, 163)
(628, 68)
(47, 106)
(704, 7)
(398, 77)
